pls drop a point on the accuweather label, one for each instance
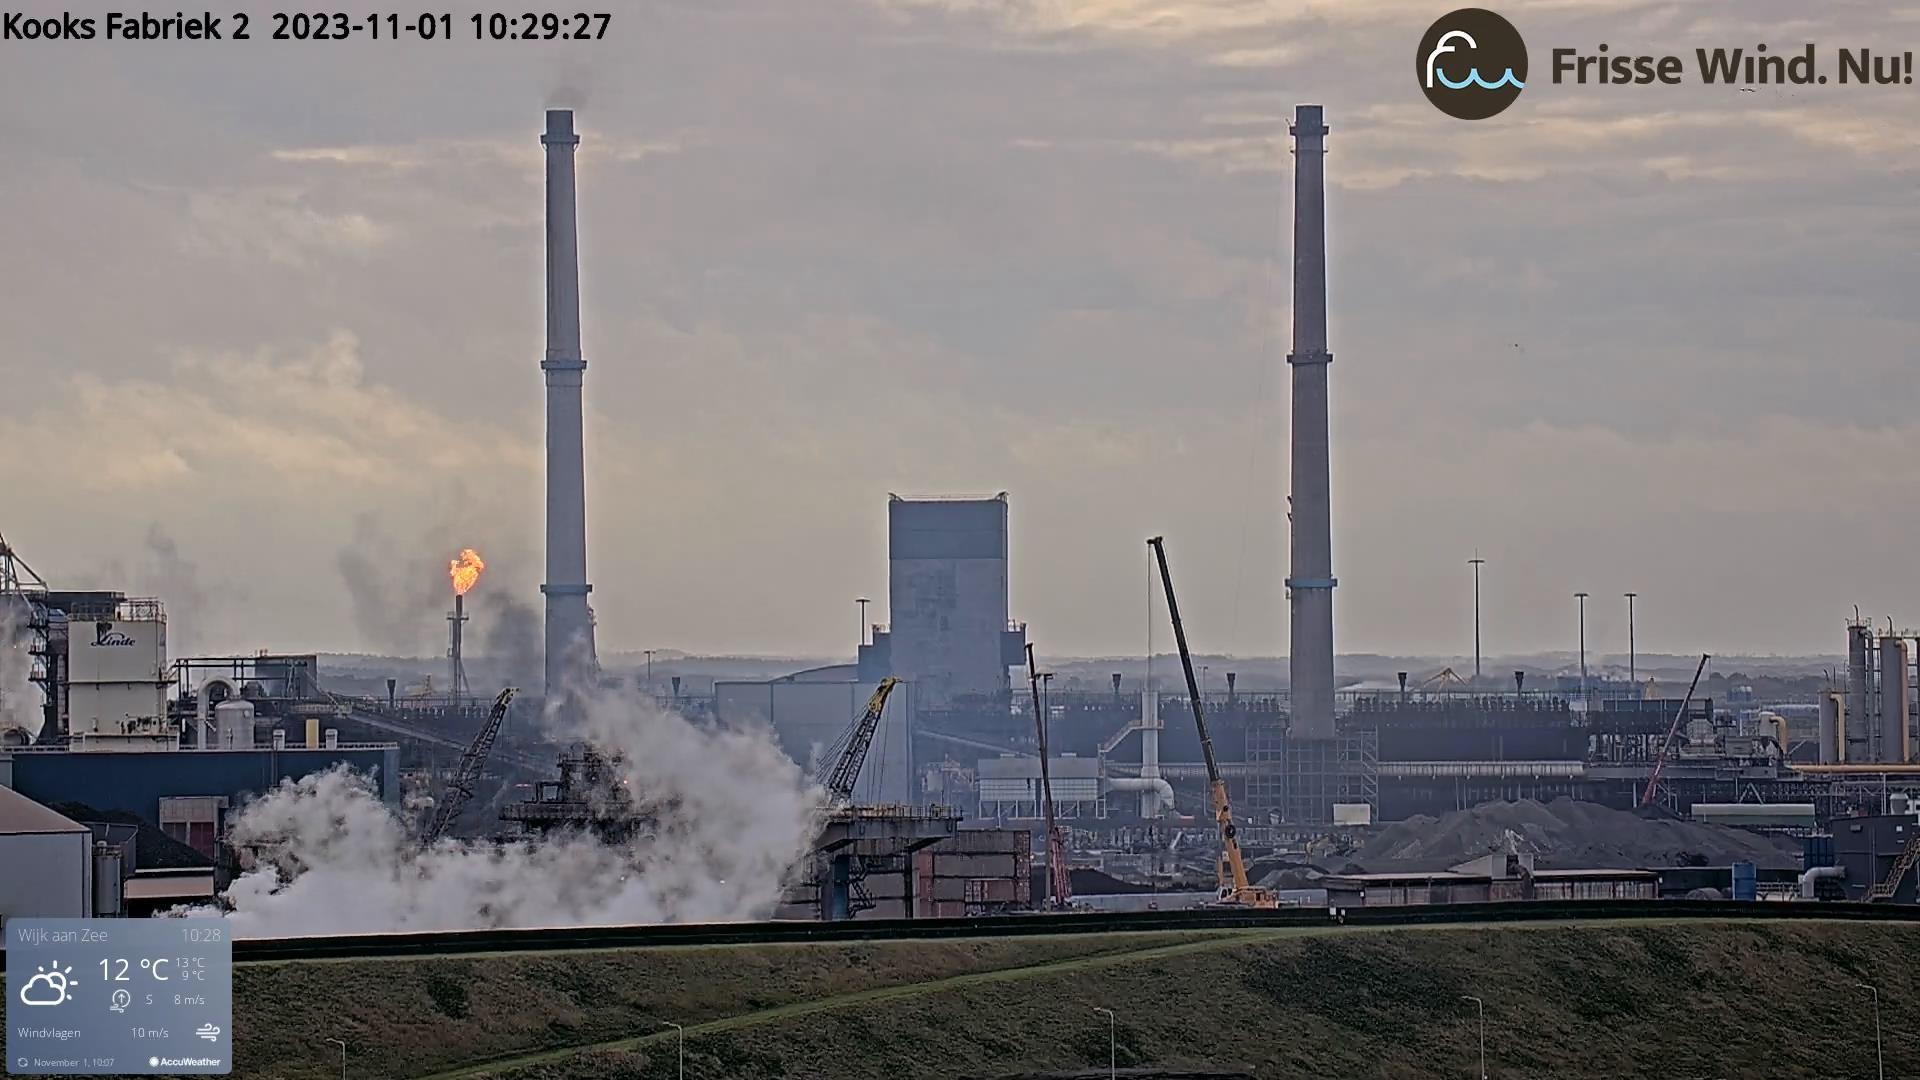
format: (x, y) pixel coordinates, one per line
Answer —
(150, 996)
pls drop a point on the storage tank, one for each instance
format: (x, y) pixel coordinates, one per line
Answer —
(1895, 705)
(233, 725)
(1832, 705)
(107, 879)
(1858, 720)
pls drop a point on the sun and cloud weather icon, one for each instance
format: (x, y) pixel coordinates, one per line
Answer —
(48, 985)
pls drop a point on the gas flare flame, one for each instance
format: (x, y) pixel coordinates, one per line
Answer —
(465, 571)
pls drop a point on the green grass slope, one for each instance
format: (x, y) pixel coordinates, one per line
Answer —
(1725, 999)
(1692, 998)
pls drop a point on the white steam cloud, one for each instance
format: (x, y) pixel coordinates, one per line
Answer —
(20, 701)
(730, 818)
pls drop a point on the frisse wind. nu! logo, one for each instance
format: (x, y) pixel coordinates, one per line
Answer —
(1471, 63)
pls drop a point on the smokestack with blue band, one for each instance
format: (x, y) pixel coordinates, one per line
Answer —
(570, 661)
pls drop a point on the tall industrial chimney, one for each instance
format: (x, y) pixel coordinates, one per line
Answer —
(1310, 583)
(570, 654)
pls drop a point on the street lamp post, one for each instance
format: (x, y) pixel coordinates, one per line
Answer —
(680, 1045)
(1482, 1007)
(1880, 1059)
(1633, 667)
(649, 655)
(863, 619)
(1585, 701)
(342, 1043)
(1476, 562)
(1113, 1042)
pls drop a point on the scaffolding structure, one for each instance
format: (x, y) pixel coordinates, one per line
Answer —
(1298, 781)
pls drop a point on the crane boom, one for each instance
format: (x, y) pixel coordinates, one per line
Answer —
(839, 777)
(1660, 760)
(1236, 890)
(1059, 877)
(460, 789)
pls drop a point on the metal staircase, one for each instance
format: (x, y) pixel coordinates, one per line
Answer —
(1884, 890)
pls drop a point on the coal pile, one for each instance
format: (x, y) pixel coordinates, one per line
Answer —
(1567, 834)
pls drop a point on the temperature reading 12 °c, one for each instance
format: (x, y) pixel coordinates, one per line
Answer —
(158, 968)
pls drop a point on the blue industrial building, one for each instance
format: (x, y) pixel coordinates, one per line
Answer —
(136, 782)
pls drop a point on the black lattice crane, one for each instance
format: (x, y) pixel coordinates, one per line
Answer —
(460, 789)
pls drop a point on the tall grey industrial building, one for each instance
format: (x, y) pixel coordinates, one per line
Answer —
(948, 632)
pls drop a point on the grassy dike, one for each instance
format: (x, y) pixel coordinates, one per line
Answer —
(1731, 998)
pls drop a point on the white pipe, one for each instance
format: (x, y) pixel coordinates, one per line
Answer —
(1818, 873)
(1155, 792)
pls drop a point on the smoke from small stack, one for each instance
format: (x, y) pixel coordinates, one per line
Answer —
(175, 579)
(395, 600)
(199, 616)
(508, 633)
(21, 702)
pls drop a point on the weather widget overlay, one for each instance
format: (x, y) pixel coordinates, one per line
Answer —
(119, 996)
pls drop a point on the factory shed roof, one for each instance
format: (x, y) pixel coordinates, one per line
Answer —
(1405, 879)
(1064, 767)
(21, 816)
(1594, 875)
(1456, 877)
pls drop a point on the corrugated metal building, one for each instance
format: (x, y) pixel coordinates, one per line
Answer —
(808, 710)
(1009, 788)
(46, 862)
(1489, 878)
(1869, 848)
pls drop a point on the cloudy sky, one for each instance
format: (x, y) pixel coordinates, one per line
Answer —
(270, 321)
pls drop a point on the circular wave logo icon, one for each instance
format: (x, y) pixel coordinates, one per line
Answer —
(1471, 64)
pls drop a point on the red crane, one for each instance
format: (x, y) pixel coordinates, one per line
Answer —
(1057, 874)
(1660, 760)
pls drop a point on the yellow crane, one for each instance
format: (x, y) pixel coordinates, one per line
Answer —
(849, 752)
(1235, 889)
